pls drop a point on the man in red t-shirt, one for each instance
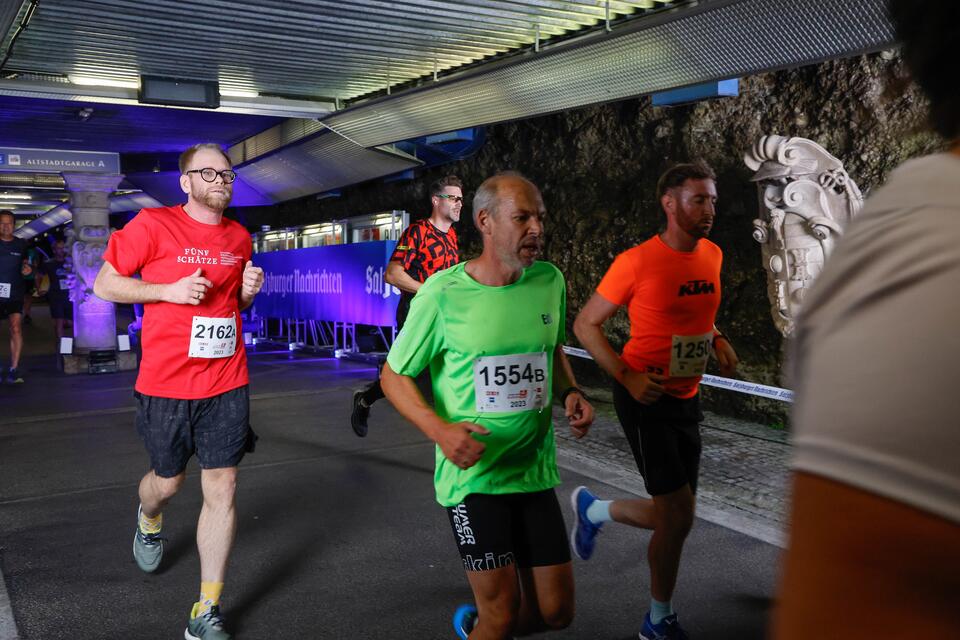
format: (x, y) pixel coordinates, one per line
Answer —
(425, 247)
(670, 285)
(192, 395)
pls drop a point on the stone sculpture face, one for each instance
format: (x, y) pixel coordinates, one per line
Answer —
(806, 200)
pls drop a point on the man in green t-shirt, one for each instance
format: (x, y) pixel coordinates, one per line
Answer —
(491, 330)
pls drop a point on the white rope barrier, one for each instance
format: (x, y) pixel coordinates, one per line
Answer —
(741, 386)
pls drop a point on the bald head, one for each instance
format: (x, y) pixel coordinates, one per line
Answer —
(495, 189)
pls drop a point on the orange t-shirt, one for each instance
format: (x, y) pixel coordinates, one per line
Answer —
(667, 293)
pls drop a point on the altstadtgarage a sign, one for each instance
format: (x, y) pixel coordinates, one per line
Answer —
(55, 161)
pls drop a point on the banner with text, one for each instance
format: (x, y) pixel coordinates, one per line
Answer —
(340, 282)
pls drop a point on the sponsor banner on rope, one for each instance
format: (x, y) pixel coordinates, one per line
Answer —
(57, 161)
(337, 283)
(752, 388)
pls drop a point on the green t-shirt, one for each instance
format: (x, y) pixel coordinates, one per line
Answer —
(502, 339)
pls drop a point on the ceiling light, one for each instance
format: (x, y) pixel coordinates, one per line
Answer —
(103, 82)
(15, 196)
(239, 93)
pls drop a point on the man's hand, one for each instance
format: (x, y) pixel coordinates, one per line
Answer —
(726, 356)
(579, 414)
(252, 281)
(646, 388)
(26, 269)
(458, 446)
(187, 290)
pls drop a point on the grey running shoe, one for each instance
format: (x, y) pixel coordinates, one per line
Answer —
(147, 548)
(359, 415)
(206, 626)
(14, 376)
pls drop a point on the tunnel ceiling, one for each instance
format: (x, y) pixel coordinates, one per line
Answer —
(374, 72)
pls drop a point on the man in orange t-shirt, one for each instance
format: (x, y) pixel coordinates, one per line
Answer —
(670, 285)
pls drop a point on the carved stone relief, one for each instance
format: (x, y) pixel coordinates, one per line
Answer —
(806, 200)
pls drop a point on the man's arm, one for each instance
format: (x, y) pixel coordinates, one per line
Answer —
(579, 412)
(453, 438)
(397, 276)
(588, 327)
(112, 286)
(726, 356)
(251, 284)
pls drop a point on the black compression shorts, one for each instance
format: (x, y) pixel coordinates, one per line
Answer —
(494, 531)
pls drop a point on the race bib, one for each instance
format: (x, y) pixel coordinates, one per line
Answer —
(213, 337)
(511, 383)
(4, 289)
(689, 355)
(64, 285)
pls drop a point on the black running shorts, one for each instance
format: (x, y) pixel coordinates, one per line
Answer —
(664, 437)
(494, 531)
(216, 429)
(8, 307)
(60, 306)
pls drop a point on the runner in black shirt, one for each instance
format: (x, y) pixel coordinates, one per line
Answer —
(58, 295)
(13, 269)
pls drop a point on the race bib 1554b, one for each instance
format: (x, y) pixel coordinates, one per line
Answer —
(511, 383)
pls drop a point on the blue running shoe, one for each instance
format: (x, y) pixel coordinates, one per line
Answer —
(464, 620)
(668, 629)
(584, 533)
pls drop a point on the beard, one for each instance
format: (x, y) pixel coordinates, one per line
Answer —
(695, 228)
(216, 201)
(529, 252)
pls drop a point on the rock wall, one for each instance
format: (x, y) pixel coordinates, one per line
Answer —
(598, 167)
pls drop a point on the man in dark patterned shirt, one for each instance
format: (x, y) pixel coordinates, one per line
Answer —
(425, 247)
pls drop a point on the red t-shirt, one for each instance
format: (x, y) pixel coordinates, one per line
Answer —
(424, 250)
(667, 293)
(164, 245)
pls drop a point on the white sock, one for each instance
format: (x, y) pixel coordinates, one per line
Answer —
(599, 511)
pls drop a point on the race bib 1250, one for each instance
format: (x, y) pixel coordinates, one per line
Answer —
(689, 355)
(511, 383)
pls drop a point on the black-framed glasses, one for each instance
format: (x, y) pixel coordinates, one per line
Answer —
(209, 174)
(447, 196)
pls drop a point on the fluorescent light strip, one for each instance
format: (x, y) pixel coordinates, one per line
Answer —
(103, 82)
(239, 93)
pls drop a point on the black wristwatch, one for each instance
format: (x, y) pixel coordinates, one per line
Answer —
(568, 391)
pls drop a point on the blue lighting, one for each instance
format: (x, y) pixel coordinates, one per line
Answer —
(697, 92)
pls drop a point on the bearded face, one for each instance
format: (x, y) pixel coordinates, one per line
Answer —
(213, 195)
(216, 195)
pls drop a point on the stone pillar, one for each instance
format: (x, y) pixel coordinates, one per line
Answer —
(94, 320)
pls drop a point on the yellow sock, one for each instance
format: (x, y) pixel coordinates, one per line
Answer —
(150, 525)
(209, 597)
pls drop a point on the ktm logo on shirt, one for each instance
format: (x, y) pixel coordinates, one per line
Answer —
(695, 288)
